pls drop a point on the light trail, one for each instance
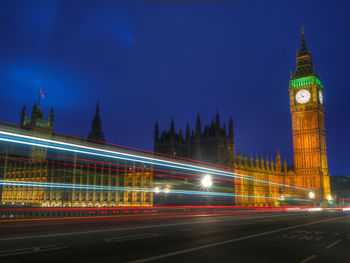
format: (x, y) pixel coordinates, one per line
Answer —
(133, 189)
(128, 171)
(122, 146)
(76, 148)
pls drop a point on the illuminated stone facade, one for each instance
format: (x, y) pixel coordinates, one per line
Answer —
(310, 168)
(309, 132)
(36, 165)
(76, 173)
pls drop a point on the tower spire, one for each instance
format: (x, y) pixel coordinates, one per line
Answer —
(51, 117)
(188, 133)
(172, 126)
(198, 126)
(96, 127)
(304, 66)
(23, 115)
(156, 132)
(230, 128)
(217, 120)
(303, 50)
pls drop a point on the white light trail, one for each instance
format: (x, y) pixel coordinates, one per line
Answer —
(65, 146)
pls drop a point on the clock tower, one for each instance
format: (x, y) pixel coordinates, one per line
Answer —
(309, 134)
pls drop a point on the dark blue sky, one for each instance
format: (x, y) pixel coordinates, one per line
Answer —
(148, 60)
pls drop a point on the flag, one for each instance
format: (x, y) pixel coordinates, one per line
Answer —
(42, 93)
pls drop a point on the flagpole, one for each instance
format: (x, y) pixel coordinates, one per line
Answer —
(39, 97)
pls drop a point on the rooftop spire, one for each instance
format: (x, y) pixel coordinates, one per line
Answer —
(172, 126)
(304, 66)
(198, 126)
(230, 128)
(303, 50)
(98, 108)
(156, 131)
(217, 120)
(96, 127)
(23, 115)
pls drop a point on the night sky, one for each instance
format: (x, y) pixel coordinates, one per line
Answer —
(154, 60)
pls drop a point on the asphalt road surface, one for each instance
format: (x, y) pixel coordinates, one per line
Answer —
(186, 237)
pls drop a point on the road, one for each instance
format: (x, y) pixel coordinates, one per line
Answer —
(182, 237)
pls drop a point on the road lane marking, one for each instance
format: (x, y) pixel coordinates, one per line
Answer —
(183, 251)
(30, 250)
(135, 237)
(213, 220)
(195, 229)
(308, 259)
(22, 249)
(333, 244)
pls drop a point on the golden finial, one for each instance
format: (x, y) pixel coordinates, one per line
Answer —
(302, 31)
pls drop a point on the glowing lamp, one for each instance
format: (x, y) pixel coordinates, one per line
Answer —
(206, 181)
(312, 195)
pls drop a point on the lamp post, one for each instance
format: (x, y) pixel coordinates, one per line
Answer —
(156, 190)
(312, 197)
(330, 200)
(206, 182)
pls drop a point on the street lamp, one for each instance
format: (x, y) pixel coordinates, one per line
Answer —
(312, 195)
(156, 189)
(329, 197)
(206, 181)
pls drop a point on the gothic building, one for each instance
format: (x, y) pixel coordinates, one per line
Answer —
(259, 181)
(213, 144)
(38, 165)
(37, 122)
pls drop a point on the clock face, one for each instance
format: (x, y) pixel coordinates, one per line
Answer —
(303, 96)
(320, 96)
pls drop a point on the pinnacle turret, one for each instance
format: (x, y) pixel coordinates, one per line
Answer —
(257, 161)
(262, 164)
(172, 127)
(304, 66)
(198, 126)
(23, 115)
(51, 118)
(217, 120)
(188, 132)
(230, 128)
(303, 50)
(96, 127)
(156, 132)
